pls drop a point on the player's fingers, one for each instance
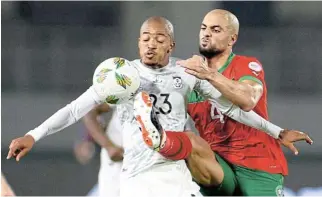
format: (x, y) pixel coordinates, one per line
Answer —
(12, 150)
(21, 154)
(10, 154)
(303, 136)
(13, 143)
(188, 65)
(293, 149)
(194, 73)
(308, 139)
(181, 62)
(191, 72)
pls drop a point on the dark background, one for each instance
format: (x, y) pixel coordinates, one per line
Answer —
(50, 51)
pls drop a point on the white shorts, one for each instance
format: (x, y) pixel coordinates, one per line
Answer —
(109, 179)
(159, 182)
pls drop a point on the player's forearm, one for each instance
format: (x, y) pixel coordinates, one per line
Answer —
(67, 115)
(254, 120)
(96, 131)
(6, 189)
(241, 94)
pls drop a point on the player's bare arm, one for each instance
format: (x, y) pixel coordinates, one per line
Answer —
(244, 93)
(97, 132)
(6, 189)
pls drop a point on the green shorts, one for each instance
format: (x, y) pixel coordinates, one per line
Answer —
(241, 181)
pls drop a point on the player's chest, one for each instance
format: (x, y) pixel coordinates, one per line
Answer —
(230, 72)
(168, 92)
(167, 83)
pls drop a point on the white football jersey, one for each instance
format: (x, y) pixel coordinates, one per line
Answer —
(169, 88)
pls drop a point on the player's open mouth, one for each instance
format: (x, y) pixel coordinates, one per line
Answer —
(149, 54)
(204, 42)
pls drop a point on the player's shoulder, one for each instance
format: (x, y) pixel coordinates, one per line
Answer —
(135, 61)
(174, 66)
(248, 62)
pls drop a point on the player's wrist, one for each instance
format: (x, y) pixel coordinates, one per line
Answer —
(212, 75)
(109, 146)
(31, 137)
(281, 134)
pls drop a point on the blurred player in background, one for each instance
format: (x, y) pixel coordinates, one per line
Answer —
(6, 189)
(84, 148)
(84, 151)
(110, 139)
(105, 131)
(145, 172)
(253, 162)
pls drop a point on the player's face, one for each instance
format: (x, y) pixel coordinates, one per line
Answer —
(155, 44)
(214, 36)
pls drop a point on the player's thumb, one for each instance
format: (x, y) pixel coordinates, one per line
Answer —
(22, 153)
(293, 149)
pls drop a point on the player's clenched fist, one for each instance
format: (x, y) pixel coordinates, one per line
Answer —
(115, 153)
(288, 137)
(20, 147)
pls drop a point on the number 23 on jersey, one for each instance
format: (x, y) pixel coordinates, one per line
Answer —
(162, 101)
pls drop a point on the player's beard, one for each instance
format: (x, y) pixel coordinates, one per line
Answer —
(209, 53)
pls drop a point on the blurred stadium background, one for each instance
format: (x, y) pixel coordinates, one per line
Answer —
(50, 50)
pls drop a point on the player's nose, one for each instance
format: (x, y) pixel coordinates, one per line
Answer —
(152, 44)
(206, 33)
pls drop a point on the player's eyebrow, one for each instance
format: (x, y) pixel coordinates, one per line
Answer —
(159, 34)
(213, 26)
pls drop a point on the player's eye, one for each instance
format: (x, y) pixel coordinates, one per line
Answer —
(216, 30)
(161, 39)
(145, 38)
(203, 28)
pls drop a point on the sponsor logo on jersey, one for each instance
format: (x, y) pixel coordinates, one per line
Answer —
(254, 66)
(157, 80)
(177, 82)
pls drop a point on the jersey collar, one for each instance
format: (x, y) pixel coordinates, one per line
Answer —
(230, 58)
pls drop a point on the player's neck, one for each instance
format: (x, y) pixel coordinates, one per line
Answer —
(219, 60)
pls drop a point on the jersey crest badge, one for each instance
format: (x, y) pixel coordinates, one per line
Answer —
(177, 82)
(279, 191)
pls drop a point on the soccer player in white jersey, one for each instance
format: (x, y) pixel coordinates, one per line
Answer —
(146, 172)
(110, 140)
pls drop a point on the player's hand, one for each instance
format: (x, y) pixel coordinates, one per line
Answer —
(197, 66)
(20, 147)
(288, 137)
(115, 153)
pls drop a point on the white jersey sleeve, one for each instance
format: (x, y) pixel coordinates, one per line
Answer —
(229, 109)
(68, 115)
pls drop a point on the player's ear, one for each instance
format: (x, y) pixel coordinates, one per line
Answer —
(139, 41)
(172, 46)
(233, 39)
